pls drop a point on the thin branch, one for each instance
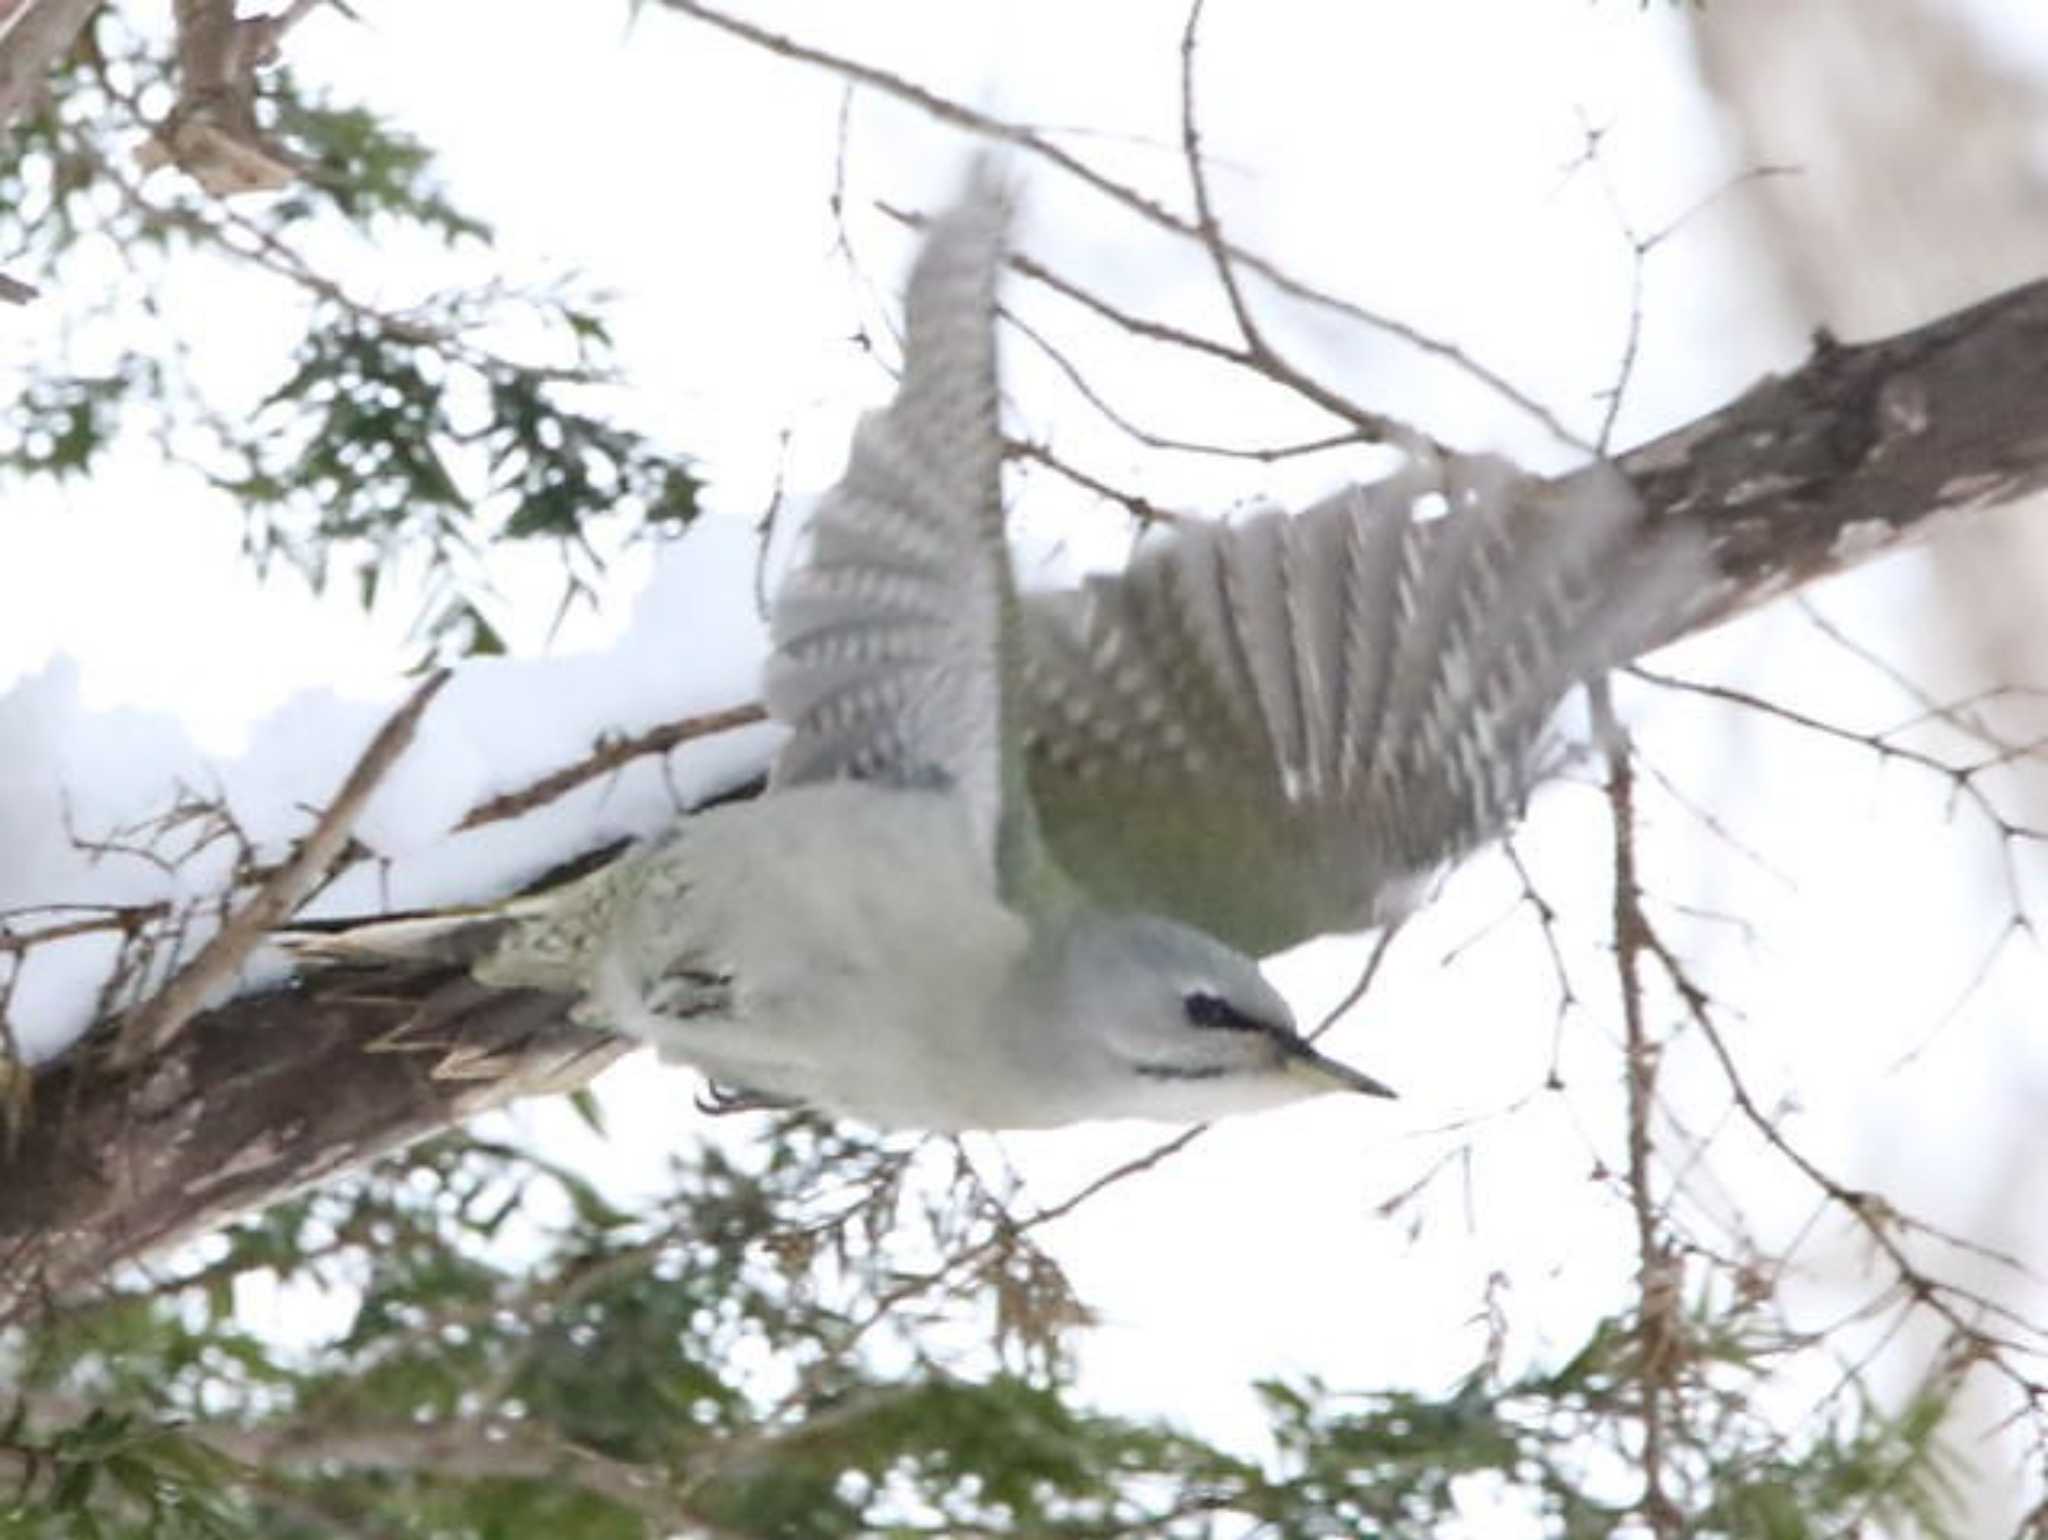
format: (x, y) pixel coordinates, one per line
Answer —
(1963, 780)
(157, 1022)
(957, 115)
(613, 754)
(961, 1262)
(1877, 1219)
(1955, 714)
(1259, 354)
(1363, 982)
(1141, 509)
(1657, 1282)
(124, 919)
(1258, 453)
(1546, 926)
(1640, 248)
(1254, 355)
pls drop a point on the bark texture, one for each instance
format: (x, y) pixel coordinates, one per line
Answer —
(1862, 449)
(37, 34)
(255, 1100)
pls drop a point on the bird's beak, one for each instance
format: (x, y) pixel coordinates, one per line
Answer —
(1326, 1074)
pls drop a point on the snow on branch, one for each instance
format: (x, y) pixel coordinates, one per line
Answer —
(1807, 474)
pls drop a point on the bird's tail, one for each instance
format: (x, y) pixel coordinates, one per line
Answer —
(461, 935)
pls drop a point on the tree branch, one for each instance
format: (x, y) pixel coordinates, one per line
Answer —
(211, 132)
(1659, 1296)
(1857, 452)
(31, 41)
(996, 130)
(613, 754)
(32, 45)
(157, 1022)
(258, 1098)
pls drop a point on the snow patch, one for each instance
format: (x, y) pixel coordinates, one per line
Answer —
(694, 644)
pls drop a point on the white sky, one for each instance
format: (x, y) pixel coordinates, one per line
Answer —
(1417, 158)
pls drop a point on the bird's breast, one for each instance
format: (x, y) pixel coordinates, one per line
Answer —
(865, 943)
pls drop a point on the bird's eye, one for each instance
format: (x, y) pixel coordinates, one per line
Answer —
(1203, 1009)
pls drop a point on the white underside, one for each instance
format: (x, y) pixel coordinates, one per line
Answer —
(866, 945)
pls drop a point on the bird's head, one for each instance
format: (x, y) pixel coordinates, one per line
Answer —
(1175, 1025)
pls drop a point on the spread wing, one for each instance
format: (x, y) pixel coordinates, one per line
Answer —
(889, 639)
(1282, 727)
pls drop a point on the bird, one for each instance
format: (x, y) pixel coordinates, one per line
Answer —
(1019, 857)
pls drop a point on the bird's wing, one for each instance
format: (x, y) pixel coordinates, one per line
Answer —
(889, 639)
(1282, 727)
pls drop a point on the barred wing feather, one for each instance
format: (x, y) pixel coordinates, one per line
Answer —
(888, 640)
(1282, 727)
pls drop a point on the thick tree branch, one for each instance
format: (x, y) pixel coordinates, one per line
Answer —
(31, 45)
(256, 1099)
(1859, 451)
(212, 131)
(34, 35)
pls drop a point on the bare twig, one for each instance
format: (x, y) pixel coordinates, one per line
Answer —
(1640, 248)
(1877, 1219)
(614, 754)
(956, 114)
(1363, 983)
(1259, 354)
(1140, 508)
(764, 529)
(1964, 780)
(1263, 454)
(1546, 926)
(967, 1261)
(149, 1028)
(1956, 714)
(95, 919)
(1656, 1269)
